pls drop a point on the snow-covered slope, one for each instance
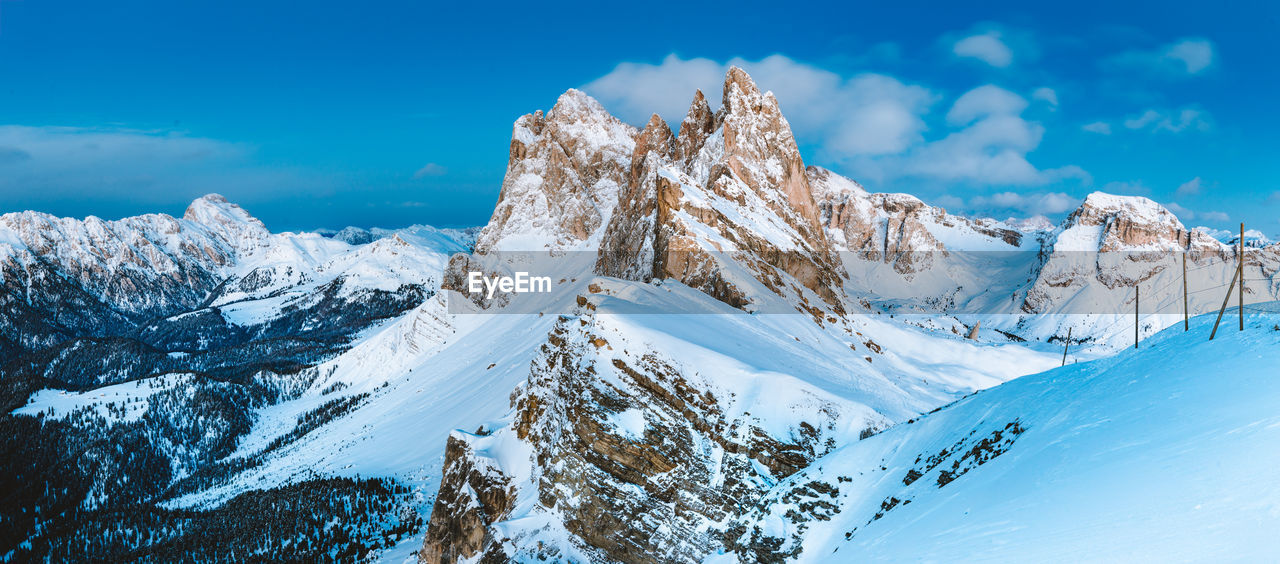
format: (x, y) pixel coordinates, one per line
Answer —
(1155, 454)
(624, 415)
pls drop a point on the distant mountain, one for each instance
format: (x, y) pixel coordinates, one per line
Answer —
(144, 349)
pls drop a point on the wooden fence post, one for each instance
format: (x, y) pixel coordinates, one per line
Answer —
(1225, 300)
(1135, 315)
(1067, 347)
(1186, 311)
(1240, 272)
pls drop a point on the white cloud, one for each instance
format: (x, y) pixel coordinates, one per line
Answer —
(1173, 122)
(1190, 188)
(102, 146)
(45, 166)
(1043, 203)
(983, 102)
(986, 47)
(867, 114)
(51, 162)
(1047, 95)
(1195, 54)
(1186, 57)
(991, 147)
(634, 91)
(871, 124)
(1127, 188)
(431, 169)
(1188, 215)
(1098, 127)
(949, 201)
(1183, 213)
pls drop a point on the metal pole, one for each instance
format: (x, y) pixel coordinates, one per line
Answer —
(1135, 316)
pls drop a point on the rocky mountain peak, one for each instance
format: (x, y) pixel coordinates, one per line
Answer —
(895, 228)
(739, 87)
(1099, 208)
(656, 137)
(699, 124)
(760, 148)
(730, 194)
(563, 177)
(828, 186)
(228, 222)
(574, 104)
(1109, 223)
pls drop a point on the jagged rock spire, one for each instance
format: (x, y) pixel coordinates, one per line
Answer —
(563, 177)
(760, 148)
(699, 124)
(733, 184)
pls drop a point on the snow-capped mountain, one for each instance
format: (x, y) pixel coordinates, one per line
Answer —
(67, 277)
(183, 330)
(743, 358)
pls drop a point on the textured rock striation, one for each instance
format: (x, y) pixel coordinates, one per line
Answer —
(725, 206)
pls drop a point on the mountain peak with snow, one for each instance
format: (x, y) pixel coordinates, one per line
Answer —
(1099, 206)
(731, 184)
(228, 222)
(563, 176)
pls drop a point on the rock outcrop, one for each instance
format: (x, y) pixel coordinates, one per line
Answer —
(618, 452)
(897, 229)
(473, 496)
(724, 207)
(1112, 243)
(563, 177)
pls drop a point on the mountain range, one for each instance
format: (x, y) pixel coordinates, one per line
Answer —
(743, 359)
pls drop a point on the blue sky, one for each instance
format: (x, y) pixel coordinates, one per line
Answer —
(326, 114)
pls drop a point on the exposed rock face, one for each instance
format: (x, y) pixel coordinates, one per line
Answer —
(563, 177)
(627, 250)
(473, 496)
(891, 228)
(730, 193)
(628, 451)
(699, 124)
(1115, 242)
(1127, 222)
(147, 265)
